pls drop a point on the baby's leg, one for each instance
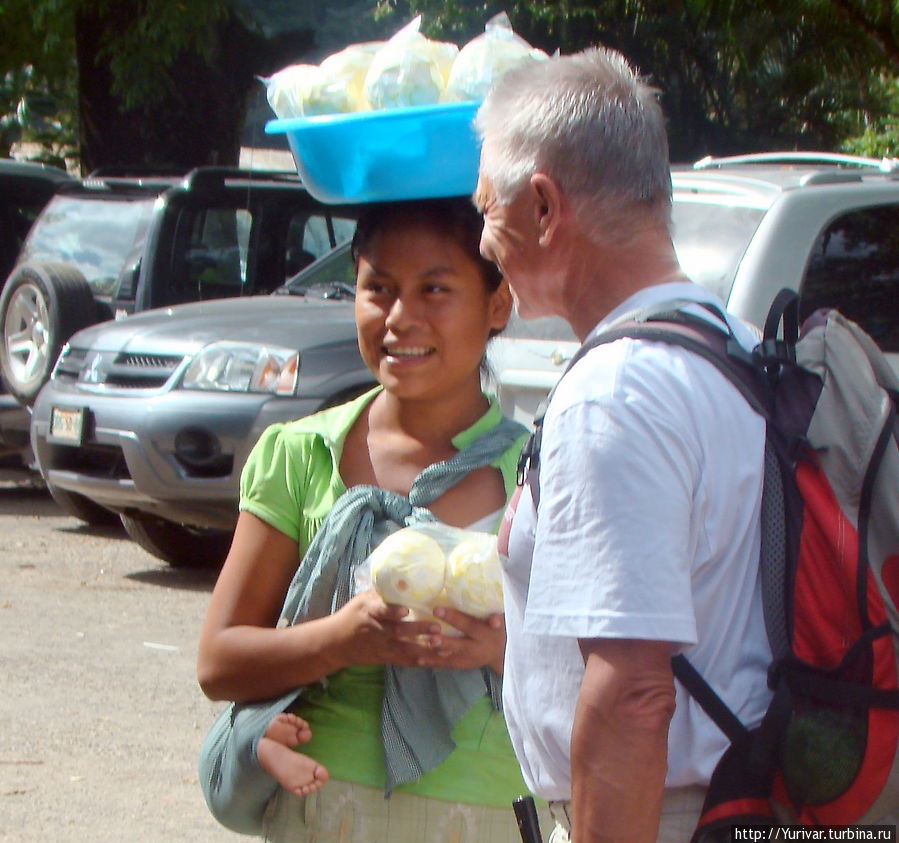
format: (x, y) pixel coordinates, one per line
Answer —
(295, 772)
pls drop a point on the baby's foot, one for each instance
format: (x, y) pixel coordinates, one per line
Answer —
(295, 772)
(289, 730)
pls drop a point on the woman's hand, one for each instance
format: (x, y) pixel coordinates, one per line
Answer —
(482, 643)
(375, 632)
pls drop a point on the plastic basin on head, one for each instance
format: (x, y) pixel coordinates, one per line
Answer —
(419, 152)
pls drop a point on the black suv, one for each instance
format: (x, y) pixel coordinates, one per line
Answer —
(115, 243)
(25, 188)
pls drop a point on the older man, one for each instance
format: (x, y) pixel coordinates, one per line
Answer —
(645, 539)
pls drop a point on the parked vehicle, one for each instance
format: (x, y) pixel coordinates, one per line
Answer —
(166, 454)
(25, 188)
(118, 243)
(745, 227)
(152, 418)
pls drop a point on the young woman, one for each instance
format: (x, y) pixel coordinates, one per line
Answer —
(393, 706)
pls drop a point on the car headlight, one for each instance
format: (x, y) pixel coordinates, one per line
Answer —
(244, 367)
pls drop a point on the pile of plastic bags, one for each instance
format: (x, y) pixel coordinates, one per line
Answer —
(407, 70)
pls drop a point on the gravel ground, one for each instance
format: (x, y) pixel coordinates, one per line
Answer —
(101, 714)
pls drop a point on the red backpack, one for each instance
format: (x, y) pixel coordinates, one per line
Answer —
(827, 751)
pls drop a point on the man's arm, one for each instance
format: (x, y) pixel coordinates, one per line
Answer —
(619, 743)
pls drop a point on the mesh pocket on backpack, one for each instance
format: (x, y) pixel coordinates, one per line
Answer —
(822, 751)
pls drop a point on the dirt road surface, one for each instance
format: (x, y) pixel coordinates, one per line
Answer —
(100, 710)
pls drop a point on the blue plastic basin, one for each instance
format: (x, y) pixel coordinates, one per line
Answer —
(378, 156)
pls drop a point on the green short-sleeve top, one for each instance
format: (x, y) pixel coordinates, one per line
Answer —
(291, 480)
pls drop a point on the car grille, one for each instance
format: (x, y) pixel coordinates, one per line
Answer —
(119, 370)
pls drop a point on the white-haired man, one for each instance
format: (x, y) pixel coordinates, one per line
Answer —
(645, 541)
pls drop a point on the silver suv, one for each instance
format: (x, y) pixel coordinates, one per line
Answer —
(823, 224)
(116, 243)
(150, 419)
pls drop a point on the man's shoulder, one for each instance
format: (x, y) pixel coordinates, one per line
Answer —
(611, 372)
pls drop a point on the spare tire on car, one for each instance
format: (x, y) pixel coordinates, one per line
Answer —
(41, 306)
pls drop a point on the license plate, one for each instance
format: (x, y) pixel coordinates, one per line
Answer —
(67, 425)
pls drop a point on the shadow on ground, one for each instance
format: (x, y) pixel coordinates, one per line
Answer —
(186, 579)
(116, 531)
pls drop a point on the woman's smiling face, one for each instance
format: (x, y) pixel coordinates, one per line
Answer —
(423, 310)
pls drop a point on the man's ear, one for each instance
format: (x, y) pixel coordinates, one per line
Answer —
(501, 306)
(549, 206)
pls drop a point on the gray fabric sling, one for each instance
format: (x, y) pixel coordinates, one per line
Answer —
(420, 705)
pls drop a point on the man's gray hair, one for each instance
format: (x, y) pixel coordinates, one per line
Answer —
(588, 121)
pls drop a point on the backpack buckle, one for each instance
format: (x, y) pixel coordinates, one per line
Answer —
(529, 456)
(775, 352)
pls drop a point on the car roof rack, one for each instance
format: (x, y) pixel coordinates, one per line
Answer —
(198, 178)
(132, 171)
(212, 177)
(884, 165)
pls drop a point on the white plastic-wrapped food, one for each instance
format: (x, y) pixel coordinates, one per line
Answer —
(474, 579)
(288, 89)
(433, 565)
(408, 568)
(347, 70)
(332, 87)
(485, 58)
(409, 70)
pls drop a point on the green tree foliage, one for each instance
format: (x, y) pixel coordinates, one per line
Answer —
(735, 75)
(160, 82)
(167, 81)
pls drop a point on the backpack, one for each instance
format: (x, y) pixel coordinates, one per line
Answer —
(827, 750)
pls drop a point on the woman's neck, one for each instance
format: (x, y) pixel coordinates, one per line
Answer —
(432, 422)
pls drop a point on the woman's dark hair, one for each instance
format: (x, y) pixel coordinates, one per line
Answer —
(456, 217)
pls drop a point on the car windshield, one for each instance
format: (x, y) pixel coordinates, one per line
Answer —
(332, 276)
(96, 235)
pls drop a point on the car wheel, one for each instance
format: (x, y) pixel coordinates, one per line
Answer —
(82, 508)
(41, 306)
(180, 546)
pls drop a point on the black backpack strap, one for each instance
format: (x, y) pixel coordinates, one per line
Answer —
(665, 322)
(711, 703)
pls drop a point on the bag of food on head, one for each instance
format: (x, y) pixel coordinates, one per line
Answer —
(347, 69)
(485, 58)
(287, 90)
(409, 70)
(332, 87)
(431, 565)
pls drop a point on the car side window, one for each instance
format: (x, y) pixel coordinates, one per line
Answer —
(854, 267)
(312, 235)
(215, 261)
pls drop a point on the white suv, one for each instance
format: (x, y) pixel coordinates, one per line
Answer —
(826, 225)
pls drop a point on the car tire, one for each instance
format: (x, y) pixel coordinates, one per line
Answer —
(82, 508)
(41, 306)
(180, 546)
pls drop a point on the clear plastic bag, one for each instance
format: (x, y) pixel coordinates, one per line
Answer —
(287, 89)
(431, 565)
(347, 69)
(332, 87)
(409, 70)
(485, 58)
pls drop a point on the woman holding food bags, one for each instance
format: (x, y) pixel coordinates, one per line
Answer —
(396, 707)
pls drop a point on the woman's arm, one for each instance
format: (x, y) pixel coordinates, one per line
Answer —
(243, 657)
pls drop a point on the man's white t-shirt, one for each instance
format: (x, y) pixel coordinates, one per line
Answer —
(650, 491)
